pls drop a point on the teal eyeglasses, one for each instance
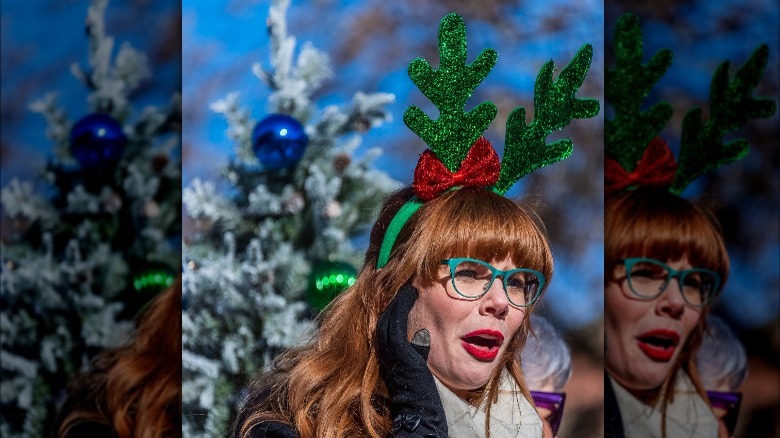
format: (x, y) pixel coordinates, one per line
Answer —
(648, 278)
(472, 278)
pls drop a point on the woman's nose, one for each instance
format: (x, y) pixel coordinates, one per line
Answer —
(671, 300)
(495, 301)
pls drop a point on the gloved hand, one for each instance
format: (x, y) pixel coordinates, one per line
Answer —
(414, 401)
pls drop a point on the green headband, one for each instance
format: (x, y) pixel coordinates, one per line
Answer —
(453, 159)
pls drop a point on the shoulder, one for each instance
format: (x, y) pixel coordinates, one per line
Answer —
(91, 429)
(613, 421)
(260, 428)
(263, 428)
(273, 429)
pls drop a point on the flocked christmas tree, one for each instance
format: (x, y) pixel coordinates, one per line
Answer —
(277, 248)
(86, 255)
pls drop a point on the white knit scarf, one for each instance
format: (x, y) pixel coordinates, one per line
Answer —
(511, 417)
(688, 416)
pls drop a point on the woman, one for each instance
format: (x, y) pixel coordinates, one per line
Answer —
(133, 390)
(546, 358)
(361, 376)
(665, 258)
(665, 261)
(426, 342)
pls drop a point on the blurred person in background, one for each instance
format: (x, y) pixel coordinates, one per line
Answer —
(723, 367)
(546, 362)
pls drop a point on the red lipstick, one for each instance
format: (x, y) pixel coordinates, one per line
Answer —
(483, 344)
(658, 344)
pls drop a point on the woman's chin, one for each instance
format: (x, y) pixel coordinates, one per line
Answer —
(651, 375)
(644, 378)
(463, 382)
(641, 373)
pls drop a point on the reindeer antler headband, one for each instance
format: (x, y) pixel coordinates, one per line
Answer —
(636, 156)
(458, 155)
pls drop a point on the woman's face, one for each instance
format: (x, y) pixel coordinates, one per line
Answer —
(468, 337)
(644, 338)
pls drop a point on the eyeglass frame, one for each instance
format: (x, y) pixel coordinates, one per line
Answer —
(672, 273)
(454, 262)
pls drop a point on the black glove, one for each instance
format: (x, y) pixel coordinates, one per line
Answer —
(414, 402)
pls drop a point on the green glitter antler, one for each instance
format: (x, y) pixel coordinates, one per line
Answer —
(449, 87)
(626, 86)
(555, 106)
(731, 103)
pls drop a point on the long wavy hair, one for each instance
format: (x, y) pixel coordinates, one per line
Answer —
(331, 387)
(135, 388)
(652, 222)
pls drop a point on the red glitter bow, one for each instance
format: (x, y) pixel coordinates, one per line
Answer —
(480, 168)
(657, 168)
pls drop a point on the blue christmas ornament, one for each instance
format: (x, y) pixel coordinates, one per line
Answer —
(279, 141)
(97, 140)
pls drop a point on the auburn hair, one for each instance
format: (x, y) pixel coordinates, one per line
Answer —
(135, 388)
(331, 386)
(652, 222)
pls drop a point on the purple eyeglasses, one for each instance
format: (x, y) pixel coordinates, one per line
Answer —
(730, 402)
(552, 401)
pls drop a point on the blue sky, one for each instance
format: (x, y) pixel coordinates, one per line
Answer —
(222, 42)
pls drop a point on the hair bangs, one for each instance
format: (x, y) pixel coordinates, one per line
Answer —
(480, 224)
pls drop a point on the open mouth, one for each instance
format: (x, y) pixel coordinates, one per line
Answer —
(658, 345)
(483, 344)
